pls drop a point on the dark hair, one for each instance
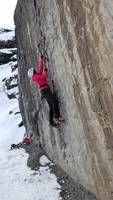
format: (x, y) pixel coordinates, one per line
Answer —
(34, 71)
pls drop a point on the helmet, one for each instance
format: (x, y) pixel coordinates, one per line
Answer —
(30, 72)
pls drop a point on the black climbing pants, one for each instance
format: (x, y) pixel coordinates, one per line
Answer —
(53, 104)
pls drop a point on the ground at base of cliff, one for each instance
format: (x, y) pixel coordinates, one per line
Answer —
(69, 189)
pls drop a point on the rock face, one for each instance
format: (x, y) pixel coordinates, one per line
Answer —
(78, 39)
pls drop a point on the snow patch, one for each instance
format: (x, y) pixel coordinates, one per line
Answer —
(7, 36)
(8, 51)
(44, 160)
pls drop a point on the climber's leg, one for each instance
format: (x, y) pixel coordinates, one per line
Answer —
(53, 101)
(57, 116)
(50, 100)
(51, 111)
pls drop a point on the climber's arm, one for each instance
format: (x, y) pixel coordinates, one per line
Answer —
(41, 66)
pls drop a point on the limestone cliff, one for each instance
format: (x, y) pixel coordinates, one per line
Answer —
(79, 44)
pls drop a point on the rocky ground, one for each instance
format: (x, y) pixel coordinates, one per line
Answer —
(70, 189)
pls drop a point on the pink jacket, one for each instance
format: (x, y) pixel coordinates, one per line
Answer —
(40, 77)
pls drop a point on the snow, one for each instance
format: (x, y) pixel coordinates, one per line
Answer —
(17, 181)
(8, 51)
(7, 36)
(15, 56)
(44, 160)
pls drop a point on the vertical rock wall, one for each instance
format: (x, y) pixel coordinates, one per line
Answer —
(79, 42)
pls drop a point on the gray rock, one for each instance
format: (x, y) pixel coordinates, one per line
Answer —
(78, 38)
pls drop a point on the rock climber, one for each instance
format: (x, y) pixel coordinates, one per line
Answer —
(40, 78)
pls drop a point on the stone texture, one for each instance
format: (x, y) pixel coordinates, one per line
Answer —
(79, 43)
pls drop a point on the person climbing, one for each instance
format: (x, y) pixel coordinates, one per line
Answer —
(40, 78)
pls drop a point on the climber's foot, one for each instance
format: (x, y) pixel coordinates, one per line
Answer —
(53, 124)
(59, 120)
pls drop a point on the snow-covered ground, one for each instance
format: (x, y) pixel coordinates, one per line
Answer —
(6, 36)
(8, 51)
(17, 181)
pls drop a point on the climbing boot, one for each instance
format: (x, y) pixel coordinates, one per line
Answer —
(54, 124)
(59, 119)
